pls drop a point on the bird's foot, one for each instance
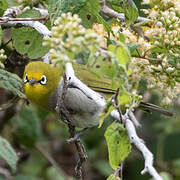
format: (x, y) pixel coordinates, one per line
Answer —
(77, 135)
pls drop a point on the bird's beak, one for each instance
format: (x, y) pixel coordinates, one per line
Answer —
(32, 82)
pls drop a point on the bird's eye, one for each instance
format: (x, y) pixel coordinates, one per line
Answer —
(43, 80)
(25, 79)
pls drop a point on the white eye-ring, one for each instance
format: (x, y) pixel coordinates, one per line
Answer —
(25, 79)
(43, 80)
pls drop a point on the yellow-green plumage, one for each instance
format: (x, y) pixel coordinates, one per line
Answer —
(39, 94)
(84, 110)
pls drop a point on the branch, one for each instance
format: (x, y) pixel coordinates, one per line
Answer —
(75, 82)
(16, 10)
(66, 116)
(7, 21)
(148, 156)
(41, 28)
(110, 12)
(11, 102)
(119, 171)
(133, 119)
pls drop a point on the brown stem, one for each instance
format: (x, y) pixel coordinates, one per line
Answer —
(149, 59)
(67, 118)
(119, 171)
(7, 105)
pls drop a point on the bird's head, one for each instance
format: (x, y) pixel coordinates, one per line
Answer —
(40, 80)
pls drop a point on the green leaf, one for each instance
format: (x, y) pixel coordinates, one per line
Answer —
(29, 13)
(131, 12)
(93, 6)
(87, 18)
(57, 7)
(101, 20)
(113, 177)
(8, 154)
(115, 2)
(121, 38)
(26, 40)
(11, 82)
(118, 8)
(25, 177)
(89, 13)
(124, 97)
(27, 130)
(118, 144)
(109, 108)
(122, 53)
(105, 66)
(132, 48)
(3, 4)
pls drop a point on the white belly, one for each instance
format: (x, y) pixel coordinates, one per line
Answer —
(85, 111)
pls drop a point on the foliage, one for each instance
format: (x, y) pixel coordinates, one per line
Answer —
(3, 6)
(11, 82)
(113, 177)
(26, 40)
(118, 142)
(8, 153)
(27, 130)
(135, 57)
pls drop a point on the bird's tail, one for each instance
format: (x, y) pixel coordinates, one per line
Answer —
(151, 107)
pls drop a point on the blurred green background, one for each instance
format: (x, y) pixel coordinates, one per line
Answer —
(39, 139)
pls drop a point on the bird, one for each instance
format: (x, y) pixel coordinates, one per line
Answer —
(41, 84)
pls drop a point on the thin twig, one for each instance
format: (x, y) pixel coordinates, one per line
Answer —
(8, 19)
(119, 171)
(147, 58)
(7, 105)
(6, 43)
(111, 13)
(46, 154)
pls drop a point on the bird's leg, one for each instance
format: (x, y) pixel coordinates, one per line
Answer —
(77, 135)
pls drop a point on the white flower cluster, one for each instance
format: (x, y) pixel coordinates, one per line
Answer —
(163, 70)
(69, 38)
(2, 58)
(165, 40)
